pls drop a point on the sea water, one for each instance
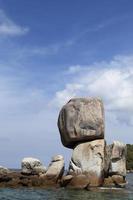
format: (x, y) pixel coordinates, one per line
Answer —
(67, 194)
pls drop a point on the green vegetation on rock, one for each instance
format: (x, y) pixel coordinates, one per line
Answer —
(129, 156)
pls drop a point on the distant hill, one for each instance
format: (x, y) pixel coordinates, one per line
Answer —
(129, 156)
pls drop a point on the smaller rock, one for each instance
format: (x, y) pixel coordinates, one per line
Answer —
(39, 170)
(65, 180)
(56, 168)
(108, 182)
(32, 166)
(4, 170)
(119, 180)
(115, 181)
(57, 158)
(79, 182)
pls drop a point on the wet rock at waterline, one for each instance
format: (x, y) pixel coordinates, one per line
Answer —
(80, 181)
(17, 179)
(115, 181)
(81, 120)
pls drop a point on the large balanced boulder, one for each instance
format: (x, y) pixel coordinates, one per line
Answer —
(118, 159)
(32, 166)
(81, 120)
(88, 159)
(56, 168)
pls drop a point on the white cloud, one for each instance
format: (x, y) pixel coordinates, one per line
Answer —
(10, 28)
(112, 81)
(16, 97)
(74, 69)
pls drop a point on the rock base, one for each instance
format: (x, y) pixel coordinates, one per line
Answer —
(17, 179)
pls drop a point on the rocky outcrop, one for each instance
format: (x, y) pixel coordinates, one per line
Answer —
(56, 168)
(80, 181)
(93, 163)
(34, 174)
(88, 159)
(17, 179)
(32, 166)
(81, 120)
(81, 127)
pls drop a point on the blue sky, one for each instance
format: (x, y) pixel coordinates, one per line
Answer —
(51, 51)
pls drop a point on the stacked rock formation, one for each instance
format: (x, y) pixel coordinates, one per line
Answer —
(81, 126)
(93, 163)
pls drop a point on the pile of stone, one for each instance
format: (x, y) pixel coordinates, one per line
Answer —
(93, 163)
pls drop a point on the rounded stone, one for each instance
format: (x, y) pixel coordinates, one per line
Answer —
(81, 120)
(32, 166)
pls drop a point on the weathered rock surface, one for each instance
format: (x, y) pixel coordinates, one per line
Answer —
(4, 170)
(118, 180)
(17, 179)
(115, 181)
(81, 120)
(56, 168)
(93, 163)
(118, 159)
(32, 166)
(79, 182)
(65, 180)
(88, 158)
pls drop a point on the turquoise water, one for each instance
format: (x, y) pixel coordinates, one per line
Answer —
(60, 194)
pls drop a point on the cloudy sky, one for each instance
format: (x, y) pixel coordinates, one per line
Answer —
(51, 51)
